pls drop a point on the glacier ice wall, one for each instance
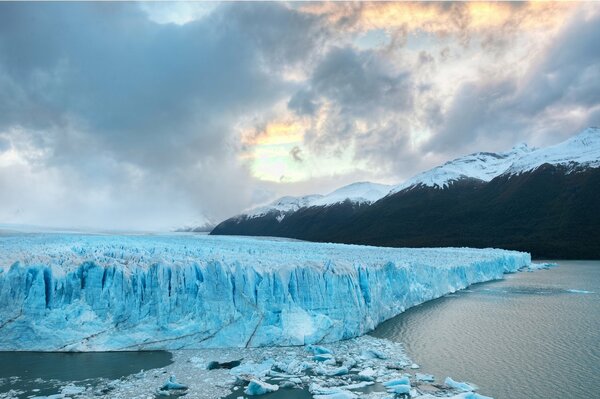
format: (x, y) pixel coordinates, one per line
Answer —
(69, 292)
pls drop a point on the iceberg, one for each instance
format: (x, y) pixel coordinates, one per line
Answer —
(84, 292)
(257, 387)
(461, 386)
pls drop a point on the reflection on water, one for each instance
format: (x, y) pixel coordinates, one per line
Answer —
(533, 335)
(42, 373)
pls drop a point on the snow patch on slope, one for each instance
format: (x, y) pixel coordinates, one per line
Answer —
(483, 166)
(361, 192)
(66, 292)
(284, 204)
(582, 150)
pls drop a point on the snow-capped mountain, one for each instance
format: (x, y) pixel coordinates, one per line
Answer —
(361, 192)
(509, 200)
(582, 150)
(482, 166)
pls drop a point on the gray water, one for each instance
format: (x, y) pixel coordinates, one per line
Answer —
(43, 373)
(525, 337)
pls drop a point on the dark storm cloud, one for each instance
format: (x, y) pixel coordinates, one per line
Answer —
(105, 92)
(359, 82)
(357, 85)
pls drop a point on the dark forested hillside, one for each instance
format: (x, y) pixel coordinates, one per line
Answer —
(551, 212)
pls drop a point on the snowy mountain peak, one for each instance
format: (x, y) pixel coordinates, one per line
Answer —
(361, 192)
(482, 166)
(356, 192)
(284, 204)
(582, 150)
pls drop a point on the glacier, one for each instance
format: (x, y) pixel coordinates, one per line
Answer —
(86, 292)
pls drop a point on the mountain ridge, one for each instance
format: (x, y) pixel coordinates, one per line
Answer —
(546, 204)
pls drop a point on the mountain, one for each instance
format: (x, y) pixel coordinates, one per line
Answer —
(356, 193)
(544, 201)
(483, 166)
(201, 225)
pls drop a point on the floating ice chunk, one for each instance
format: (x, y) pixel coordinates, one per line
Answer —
(368, 372)
(320, 392)
(322, 357)
(373, 354)
(461, 386)
(72, 390)
(424, 377)
(415, 366)
(400, 389)
(404, 380)
(332, 372)
(357, 385)
(172, 384)
(318, 350)
(350, 363)
(580, 291)
(254, 369)
(258, 387)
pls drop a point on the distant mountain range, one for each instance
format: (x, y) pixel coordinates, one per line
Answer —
(545, 201)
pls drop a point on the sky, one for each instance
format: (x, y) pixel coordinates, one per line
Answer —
(154, 116)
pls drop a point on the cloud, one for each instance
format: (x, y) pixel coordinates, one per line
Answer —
(351, 93)
(154, 116)
(141, 112)
(463, 20)
(557, 95)
(296, 154)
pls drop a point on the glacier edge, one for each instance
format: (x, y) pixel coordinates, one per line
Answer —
(68, 292)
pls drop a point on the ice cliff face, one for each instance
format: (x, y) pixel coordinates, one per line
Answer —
(84, 292)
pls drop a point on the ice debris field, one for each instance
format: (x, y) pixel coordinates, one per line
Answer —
(77, 292)
(359, 368)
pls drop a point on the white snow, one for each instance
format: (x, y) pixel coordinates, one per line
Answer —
(582, 150)
(482, 166)
(284, 204)
(361, 192)
(70, 292)
(356, 192)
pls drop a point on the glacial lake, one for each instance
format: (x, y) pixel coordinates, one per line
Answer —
(531, 336)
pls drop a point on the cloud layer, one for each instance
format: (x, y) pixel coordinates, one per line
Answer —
(130, 116)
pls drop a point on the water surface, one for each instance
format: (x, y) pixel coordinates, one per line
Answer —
(43, 373)
(532, 335)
